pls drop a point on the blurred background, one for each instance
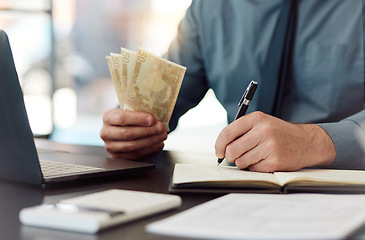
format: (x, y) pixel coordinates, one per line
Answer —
(59, 49)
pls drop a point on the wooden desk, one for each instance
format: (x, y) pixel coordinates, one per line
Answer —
(15, 196)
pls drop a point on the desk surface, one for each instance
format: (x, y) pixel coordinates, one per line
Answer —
(15, 196)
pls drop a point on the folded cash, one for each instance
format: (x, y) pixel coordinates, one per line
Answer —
(145, 82)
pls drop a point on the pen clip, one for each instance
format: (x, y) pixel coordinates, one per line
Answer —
(244, 94)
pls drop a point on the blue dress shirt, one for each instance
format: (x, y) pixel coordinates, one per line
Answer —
(226, 44)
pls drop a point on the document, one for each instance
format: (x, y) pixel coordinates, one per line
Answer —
(268, 216)
(200, 178)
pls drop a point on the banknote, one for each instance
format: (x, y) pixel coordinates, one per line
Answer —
(146, 82)
(114, 64)
(154, 86)
(128, 62)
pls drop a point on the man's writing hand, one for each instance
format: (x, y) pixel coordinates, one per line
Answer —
(264, 143)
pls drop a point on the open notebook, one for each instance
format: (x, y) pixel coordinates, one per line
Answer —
(204, 178)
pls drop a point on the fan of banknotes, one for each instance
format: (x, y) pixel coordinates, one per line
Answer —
(145, 82)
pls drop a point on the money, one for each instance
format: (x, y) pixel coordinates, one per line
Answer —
(114, 64)
(128, 61)
(152, 86)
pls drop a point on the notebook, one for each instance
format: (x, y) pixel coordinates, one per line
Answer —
(19, 159)
(227, 179)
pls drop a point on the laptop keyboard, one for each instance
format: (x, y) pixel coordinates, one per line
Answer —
(57, 169)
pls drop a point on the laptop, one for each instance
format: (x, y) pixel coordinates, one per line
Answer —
(19, 159)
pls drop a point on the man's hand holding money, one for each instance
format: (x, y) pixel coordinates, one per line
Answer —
(147, 87)
(131, 135)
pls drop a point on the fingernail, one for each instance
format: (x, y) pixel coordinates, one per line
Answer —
(161, 127)
(239, 162)
(149, 120)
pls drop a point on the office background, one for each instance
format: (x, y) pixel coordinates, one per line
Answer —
(59, 49)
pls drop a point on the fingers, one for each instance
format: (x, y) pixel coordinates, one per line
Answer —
(139, 153)
(254, 156)
(233, 131)
(263, 143)
(115, 147)
(262, 166)
(120, 117)
(127, 133)
(131, 135)
(267, 144)
(243, 144)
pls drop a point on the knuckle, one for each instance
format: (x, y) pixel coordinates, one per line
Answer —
(144, 119)
(272, 146)
(258, 115)
(103, 134)
(225, 133)
(105, 117)
(164, 136)
(240, 163)
(156, 139)
(231, 151)
(109, 114)
(162, 145)
(115, 148)
(149, 131)
(268, 130)
(109, 147)
(273, 165)
(157, 147)
(126, 134)
(122, 119)
(130, 147)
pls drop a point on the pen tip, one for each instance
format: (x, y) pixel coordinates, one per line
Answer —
(220, 160)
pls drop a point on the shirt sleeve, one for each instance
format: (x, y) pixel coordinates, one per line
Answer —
(186, 50)
(348, 135)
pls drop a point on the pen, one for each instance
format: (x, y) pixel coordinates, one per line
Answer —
(243, 104)
(75, 208)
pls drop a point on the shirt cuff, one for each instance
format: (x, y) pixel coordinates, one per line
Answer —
(349, 140)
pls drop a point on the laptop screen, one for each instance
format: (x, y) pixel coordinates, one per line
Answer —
(18, 155)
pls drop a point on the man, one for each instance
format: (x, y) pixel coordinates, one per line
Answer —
(308, 58)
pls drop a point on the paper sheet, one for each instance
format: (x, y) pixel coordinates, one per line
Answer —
(268, 216)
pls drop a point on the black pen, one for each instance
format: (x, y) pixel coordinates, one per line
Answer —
(243, 104)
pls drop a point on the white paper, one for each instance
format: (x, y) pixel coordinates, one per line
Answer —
(268, 216)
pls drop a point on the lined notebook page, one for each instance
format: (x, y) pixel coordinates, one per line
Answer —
(323, 175)
(187, 173)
